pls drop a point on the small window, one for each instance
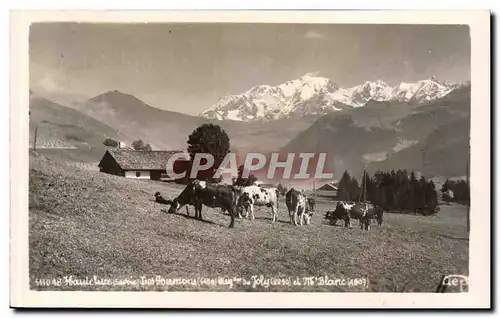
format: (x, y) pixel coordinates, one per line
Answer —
(138, 174)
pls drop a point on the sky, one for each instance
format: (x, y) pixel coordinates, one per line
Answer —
(188, 67)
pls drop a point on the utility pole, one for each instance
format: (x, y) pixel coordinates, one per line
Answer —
(423, 161)
(364, 182)
(468, 189)
(34, 139)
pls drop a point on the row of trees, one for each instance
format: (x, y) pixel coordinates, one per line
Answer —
(136, 145)
(456, 191)
(394, 190)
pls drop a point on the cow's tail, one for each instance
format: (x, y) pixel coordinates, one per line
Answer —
(234, 195)
(277, 199)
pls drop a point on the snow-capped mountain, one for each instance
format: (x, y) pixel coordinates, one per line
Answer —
(309, 95)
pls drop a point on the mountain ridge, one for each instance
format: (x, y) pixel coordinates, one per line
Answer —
(312, 95)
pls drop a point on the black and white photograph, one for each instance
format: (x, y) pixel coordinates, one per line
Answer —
(237, 156)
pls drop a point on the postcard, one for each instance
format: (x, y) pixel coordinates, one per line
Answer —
(233, 159)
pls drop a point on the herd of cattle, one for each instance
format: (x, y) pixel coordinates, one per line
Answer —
(240, 201)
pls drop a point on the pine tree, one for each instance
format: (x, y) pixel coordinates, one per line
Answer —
(344, 186)
(371, 190)
(413, 185)
(431, 196)
(420, 194)
(354, 190)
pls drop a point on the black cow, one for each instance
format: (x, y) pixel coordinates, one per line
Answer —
(160, 199)
(199, 193)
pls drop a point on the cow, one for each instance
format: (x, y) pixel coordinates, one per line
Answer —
(311, 204)
(341, 212)
(160, 199)
(347, 210)
(199, 193)
(298, 207)
(255, 195)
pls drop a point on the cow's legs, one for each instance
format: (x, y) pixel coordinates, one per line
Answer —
(275, 214)
(333, 220)
(295, 213)
(347, 221)
(231, 212)
(379, 220)
(198, 208)
(251, 211)
(247, 214)
(308, 219)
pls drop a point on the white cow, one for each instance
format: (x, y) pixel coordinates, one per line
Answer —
(296, 203)
(255, 195)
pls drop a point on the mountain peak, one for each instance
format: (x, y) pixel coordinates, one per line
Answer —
(310, 74)
(112, 94)
(313, 95)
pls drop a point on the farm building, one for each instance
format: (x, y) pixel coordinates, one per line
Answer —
(328, 190)
(328, 187)
(140, 164)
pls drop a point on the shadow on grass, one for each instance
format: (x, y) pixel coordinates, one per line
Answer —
(270, 219)
(454, 238)
(192, 217)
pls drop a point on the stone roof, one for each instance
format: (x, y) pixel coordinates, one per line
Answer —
(142, 159)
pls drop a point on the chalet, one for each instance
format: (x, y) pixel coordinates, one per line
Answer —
(328, 187)
(140, 164)
(327, 190)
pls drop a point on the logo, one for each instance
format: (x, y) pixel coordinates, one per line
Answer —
(460, 281)
(304, 165)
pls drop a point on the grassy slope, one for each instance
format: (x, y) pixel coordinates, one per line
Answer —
(86, 223)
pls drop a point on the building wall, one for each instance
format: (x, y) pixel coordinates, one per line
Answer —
(133, 174)
(109, 165)
(156, 174)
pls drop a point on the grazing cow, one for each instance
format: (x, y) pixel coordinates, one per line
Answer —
(199, 193)
(311, 203)
(378, 214)
(363, 212)
(160, 199)
(254, 195)
(297, 205)
(341, 212)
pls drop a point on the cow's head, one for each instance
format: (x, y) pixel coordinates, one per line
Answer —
(243, 201)
(328, 215)
(310, 203)
(174, 207)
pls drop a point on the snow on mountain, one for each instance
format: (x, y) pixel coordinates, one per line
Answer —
(309, 95)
